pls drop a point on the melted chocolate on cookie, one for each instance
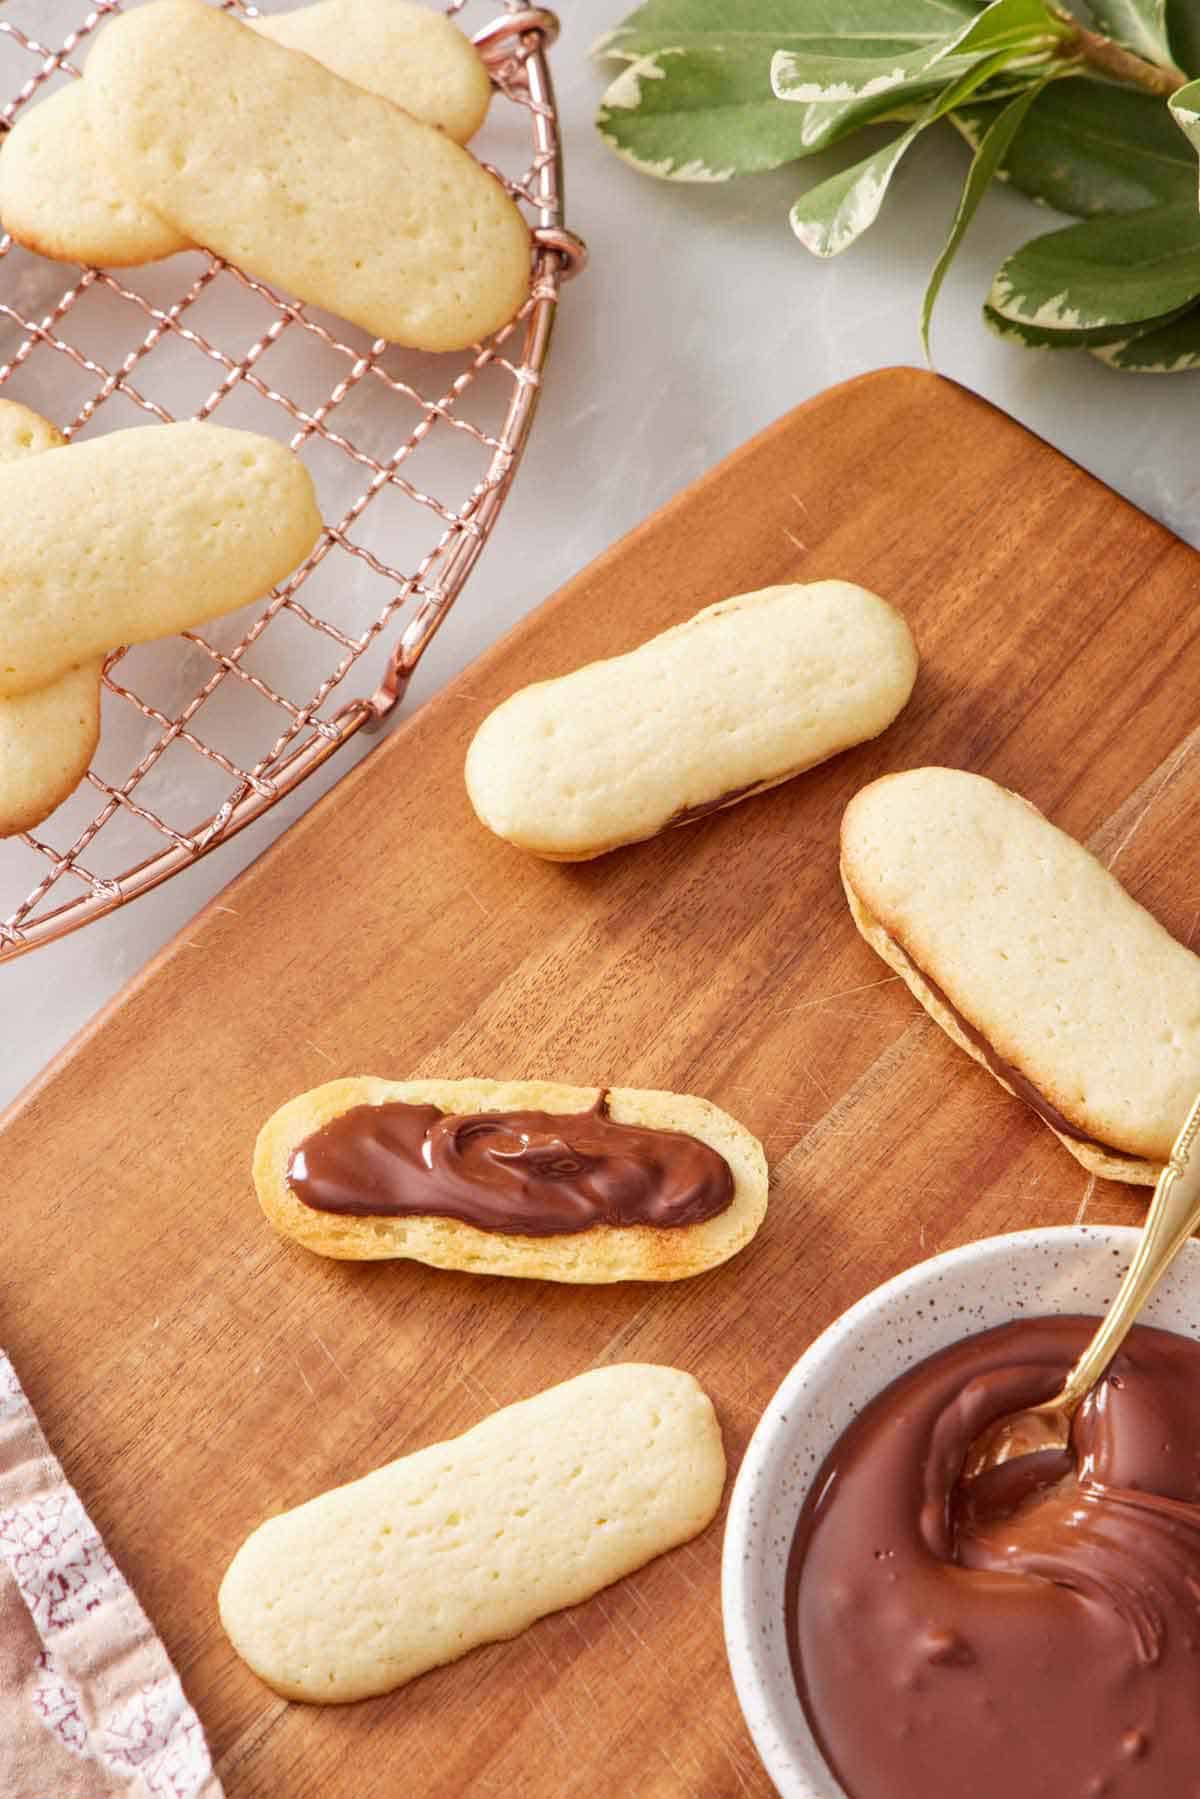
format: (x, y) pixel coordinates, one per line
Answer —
(533, 1174)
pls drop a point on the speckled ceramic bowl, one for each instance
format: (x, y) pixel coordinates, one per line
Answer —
(1029, 1274)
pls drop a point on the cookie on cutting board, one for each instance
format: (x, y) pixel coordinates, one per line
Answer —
(62, 191)
(571, 1158)
(1033, 958)
(471, 1541)
(746, 694)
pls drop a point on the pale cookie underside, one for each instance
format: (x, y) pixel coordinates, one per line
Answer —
(62, 191)
(603, 1254)
(1097, 1161)
(307, 181)
(471, 1541)
(140, 534)
(739, 698)
(47, 737)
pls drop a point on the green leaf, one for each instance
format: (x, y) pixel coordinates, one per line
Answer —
(1116, 270)
(706, 116)
(1022, 26)
(807, 79)
(696, 102)
(1090, 146)
(991, 152)
(1140, 25)
(1163, 351)
(703, 110)
(1006, 24)
(1035, 337)
(700, 115)
(1185, 110)
(1183, 23)
(866, 28)
(827, 122)
(829, 217)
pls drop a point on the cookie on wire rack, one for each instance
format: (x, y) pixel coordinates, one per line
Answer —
(270, 160)
(204, 737)
(63, 193)
(126, 538)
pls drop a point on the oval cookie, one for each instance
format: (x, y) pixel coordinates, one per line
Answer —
(47, 737)
(61, 187)
(267, 159)
(598, 1252)
(471, 1541)
(409, 54)
(140, 534)
(739, 698)
(1033, 958)
(47, 741)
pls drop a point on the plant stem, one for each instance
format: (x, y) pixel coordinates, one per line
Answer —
(1123, 65)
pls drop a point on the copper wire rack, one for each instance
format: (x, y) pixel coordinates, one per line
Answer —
(203, 734)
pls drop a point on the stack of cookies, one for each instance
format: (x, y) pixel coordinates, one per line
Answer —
(320, 150)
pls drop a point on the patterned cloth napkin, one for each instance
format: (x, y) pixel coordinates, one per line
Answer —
(90, 1706)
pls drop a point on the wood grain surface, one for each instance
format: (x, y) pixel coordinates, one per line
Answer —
(196, 1375)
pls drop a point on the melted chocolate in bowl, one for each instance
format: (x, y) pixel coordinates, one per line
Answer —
(534, 1174)
(1035, 1637)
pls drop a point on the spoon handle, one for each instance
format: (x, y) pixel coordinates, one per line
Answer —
(1173, 1215)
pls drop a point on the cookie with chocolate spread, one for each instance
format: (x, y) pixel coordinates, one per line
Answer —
(746, 694)
(1033, 958)
(526, 1178)
(470, 1541)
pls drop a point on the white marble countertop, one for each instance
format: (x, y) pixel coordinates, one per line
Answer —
(699, 321)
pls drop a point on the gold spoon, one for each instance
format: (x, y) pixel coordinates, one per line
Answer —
(1174, 1214)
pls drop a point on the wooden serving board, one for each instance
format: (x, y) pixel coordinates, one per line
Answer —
(195, 1375)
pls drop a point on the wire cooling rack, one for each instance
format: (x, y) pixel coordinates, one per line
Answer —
(203, 734)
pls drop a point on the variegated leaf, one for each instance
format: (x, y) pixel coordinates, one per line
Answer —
(1111, 271)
